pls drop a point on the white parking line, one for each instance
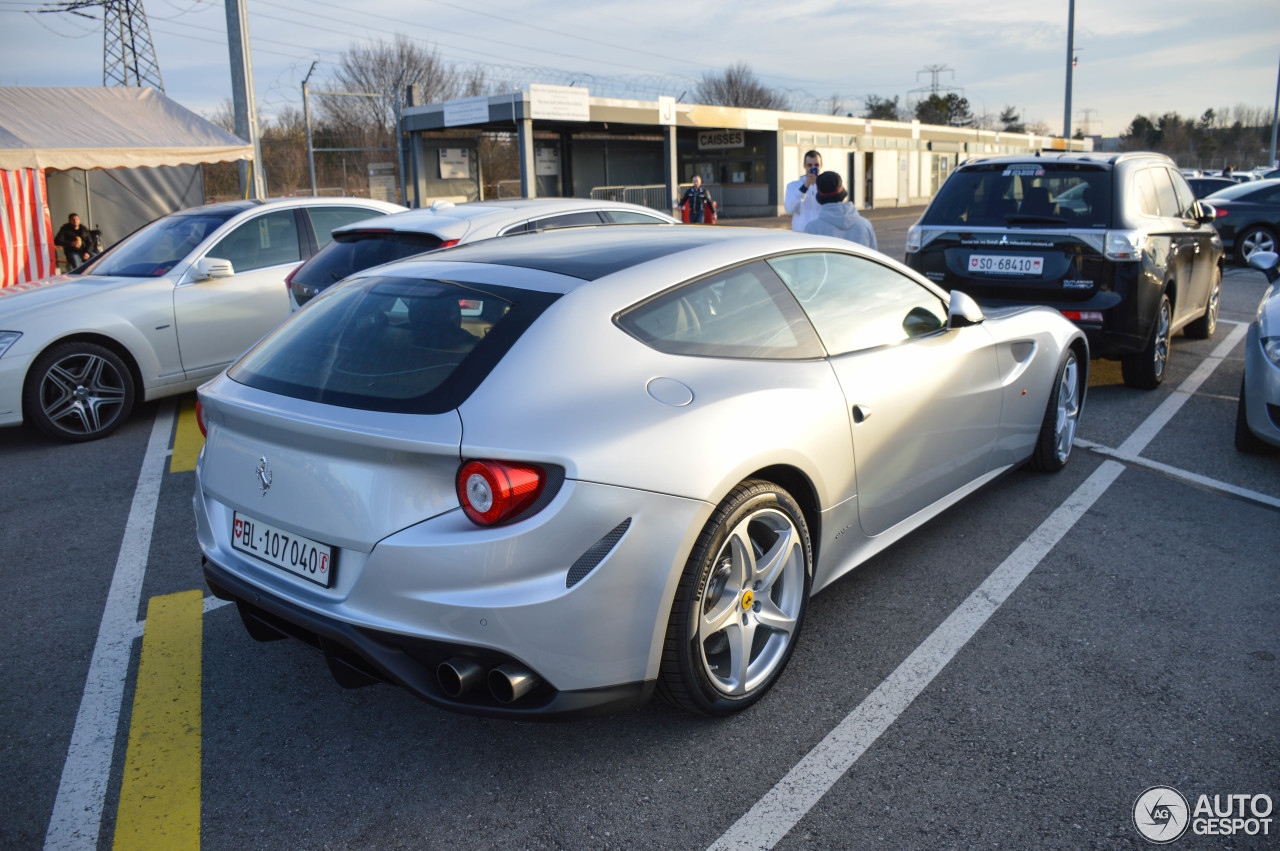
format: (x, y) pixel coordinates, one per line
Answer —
(1184, 475)
(77, 810)
(782, 807)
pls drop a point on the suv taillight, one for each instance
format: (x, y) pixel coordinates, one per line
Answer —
(288, 282)
(913, 239)
(1125, 244)
(493, 492)
(204, 427)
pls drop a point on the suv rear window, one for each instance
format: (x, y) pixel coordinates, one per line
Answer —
(400, 345)
(359, 250)
(1031, 194)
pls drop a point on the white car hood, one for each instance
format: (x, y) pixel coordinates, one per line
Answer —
(21, 299)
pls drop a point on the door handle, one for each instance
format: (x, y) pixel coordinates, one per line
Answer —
(860, 413)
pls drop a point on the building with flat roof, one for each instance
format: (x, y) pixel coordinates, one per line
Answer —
(571, 144)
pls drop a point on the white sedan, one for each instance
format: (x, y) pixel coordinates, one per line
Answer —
(157, 314)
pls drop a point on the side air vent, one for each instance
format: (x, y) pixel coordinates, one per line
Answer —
(601, 548)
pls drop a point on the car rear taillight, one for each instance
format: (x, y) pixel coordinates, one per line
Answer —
(1219, 212)
(1125, 244)
(448, 243)
(288, 282)
(204, 428)
(493, 492)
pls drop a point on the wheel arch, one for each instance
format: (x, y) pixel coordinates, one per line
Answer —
(795, 482)
(121, 350)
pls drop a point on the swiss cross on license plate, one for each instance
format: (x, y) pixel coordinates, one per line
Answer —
(301, 556)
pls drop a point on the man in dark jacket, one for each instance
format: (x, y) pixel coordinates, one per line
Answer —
(74, 239)
(699, 201)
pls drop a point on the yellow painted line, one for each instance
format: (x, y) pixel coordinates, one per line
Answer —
(160, 793)
(187, 441)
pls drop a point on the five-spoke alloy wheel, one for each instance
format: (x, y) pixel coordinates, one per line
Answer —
(740, 602)
(1058, 431)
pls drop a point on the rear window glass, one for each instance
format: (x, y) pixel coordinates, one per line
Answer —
(392, 344)
(354, 252)
(1028, 194)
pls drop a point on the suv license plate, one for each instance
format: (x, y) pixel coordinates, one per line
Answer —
(1005, 264)
(294, 553)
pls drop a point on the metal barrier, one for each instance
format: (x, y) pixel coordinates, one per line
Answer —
(654, 196)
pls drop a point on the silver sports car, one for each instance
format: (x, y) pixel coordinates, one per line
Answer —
(549, 474)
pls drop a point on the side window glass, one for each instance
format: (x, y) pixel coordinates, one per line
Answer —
(325, 219)
(743, 312)
(856, 303)
(1186, 198)
(1146, 193)
(1165, 196)
(520, 228)
(568, 220)
(629, 217)
(268, 240)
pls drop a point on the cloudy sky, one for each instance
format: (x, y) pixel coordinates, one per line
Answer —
(1135, 56)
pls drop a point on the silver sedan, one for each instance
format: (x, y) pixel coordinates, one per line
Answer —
(553, 473)
(1258, 412)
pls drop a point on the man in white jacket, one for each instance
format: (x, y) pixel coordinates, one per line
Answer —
(837, 216)
(799, 199)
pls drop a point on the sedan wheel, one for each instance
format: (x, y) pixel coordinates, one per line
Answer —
(1145, 369)
(1058, 431)
(78, 392)
(1253, 240)
(740, 603)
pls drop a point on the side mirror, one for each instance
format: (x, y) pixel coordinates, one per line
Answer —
(964, 311)
(1265, 262)
(213, 267)
(1204, 213)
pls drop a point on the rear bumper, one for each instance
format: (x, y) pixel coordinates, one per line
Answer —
(358, 655)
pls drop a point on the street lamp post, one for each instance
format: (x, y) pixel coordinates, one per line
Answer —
(1071, 35)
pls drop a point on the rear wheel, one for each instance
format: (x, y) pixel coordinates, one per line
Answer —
(1145, 369)
(740, 603)
(78, 392)
(1058, 431)
(1253, 239)
(1203, 328)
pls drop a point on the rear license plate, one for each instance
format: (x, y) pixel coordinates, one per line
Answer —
(294, 553)
(1005, 264)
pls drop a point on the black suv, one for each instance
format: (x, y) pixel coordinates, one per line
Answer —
(1117, 242)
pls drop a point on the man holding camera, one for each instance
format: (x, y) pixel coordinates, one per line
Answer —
(800, 199)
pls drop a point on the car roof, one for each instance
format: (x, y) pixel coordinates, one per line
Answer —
(590, 253)
(440, 214)
(231, 208)
(1076, 157)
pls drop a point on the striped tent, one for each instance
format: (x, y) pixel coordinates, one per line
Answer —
(26, 233)
(85, 128)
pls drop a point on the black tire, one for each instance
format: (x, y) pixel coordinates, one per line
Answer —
(1146, 369)
(1203, 328)
(725, 603)
(1246, 440)
(1253, 238)
(78, 391)
(1058, 431)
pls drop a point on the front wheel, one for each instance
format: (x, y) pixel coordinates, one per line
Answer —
(1145, 369)
(1058, 431)
(740, 603)
(78, 391)
(1203, 328)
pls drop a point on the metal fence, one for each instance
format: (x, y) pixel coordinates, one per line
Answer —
(654, 197)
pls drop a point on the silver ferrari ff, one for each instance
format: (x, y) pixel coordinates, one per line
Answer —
(550, 474)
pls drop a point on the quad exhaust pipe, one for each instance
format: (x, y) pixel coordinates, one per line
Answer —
(507, 683)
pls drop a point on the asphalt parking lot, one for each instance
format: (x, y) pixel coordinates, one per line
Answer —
(1013, 675)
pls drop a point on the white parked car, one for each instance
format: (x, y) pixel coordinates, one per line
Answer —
(157, 314)
(364, 244)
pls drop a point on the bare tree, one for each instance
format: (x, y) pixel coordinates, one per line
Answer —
(738, 86)
(386, 69)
